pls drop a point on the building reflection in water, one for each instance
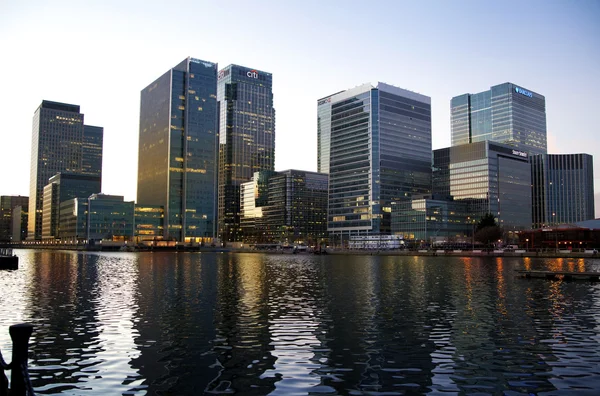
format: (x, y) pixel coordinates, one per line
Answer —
(241, 346)
(176, 303)
(62, 305)
(172, 323)
(295, 326)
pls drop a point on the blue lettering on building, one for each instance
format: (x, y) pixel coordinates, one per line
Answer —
(523, 92)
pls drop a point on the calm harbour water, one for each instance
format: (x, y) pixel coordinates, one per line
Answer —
(253, 324)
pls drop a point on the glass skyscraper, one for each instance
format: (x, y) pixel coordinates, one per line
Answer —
(379, 153)
(177, 164)
(323, 133)
(490, 177)
(246, 139)
(563, 189)
(59, 144)
(93, 137)
(506, 113)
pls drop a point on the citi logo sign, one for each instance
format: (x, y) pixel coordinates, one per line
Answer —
(523, 92)
(252, 74)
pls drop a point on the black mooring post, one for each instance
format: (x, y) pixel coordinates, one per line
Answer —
(19, 334)
(3, 383)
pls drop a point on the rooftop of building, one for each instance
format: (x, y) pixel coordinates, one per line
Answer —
(48, 104)
(518, 88)
(382, 87)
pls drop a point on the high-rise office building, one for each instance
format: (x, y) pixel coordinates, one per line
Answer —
(58, 144)
(177, 164)
(246, 139)
(380, 153)
(323, 133)
(490, 177)
(563, 189)
(506, 113)
(93, 137)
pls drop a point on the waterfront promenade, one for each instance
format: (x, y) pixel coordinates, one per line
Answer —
(582, 253)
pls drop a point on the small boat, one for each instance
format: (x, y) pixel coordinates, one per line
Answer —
(8, 260)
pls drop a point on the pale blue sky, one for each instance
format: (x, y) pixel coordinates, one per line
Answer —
(101, 54)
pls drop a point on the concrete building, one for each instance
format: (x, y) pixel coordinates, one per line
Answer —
(563, 189)
(8, 221)
(73, 214)
(19, 223)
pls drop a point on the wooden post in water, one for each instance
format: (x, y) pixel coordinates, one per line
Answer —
(20, 334)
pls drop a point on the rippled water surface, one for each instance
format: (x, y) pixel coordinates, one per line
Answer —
(252, 324)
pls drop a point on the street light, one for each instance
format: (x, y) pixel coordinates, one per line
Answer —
(526, 243)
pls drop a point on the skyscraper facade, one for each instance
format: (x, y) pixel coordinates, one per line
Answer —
(57, 145)
(323, 133)
(506, 113)
(380, 153)
(177, 163)
(490, 177)
(93, 138)
(563, 189)
(246, 139)
(286, 207)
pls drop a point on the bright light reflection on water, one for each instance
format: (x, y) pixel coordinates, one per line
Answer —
(252, 324)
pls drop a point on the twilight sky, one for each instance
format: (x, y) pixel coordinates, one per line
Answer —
(101, 54)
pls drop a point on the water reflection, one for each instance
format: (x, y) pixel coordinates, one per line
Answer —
(172, 323)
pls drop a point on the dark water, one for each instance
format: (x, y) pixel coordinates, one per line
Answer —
(251, 324)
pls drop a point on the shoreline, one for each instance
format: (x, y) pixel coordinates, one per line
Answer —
(338, 252)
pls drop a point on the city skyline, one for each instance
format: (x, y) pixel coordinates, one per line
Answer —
(439, 50)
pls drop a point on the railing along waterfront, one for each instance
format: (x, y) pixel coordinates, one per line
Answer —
(20, 381)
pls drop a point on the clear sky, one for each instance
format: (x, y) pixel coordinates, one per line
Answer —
(101, 54)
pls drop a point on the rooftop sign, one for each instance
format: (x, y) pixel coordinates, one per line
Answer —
(523, 92)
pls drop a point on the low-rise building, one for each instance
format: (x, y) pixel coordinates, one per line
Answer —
(110, 217)
(8, 223)
(288, 207)
(432, 218)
